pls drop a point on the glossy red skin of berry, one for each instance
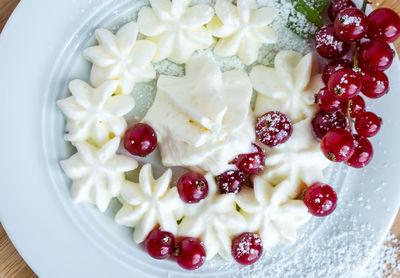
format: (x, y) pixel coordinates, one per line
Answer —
(323, 122)
(338, 145)
(363, 152)
(375, 84)
(247, 248)
(140, 139)
(367, 124)
(251, 163)
(375, 55)
(337, 5)
(159, 244)
(345, 84)
(351, 24)
(329, 45)
(326, 101)
(273, 128)
(333, 66)
(384, 25)
(320, 199)
(357, 105)
(191, 253)
(231, 181)
(192, 187)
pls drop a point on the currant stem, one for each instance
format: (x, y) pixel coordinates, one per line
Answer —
(349, 126)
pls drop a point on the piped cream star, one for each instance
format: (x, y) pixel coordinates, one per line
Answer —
(97, 174)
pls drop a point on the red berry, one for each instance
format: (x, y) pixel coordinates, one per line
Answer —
(140, 139)
(251, 163)
(384, 25)
(323, 122)
(320, 199)
(363, 152)
(367, 124)
(338, 145)
(326, 101)
(232, 181)
(375, 55)
(329, 45)
(192, 187)
(337, 5)
(345, 84)
(247, 248)
(190, 253)
(351, 24)
(273, 128)
(375, 84)
(333, 66)
(159, 244)
(357, 105)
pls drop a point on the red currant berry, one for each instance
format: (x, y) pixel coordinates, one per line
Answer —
(140, 139)
(192, 187)
(251, 163)
(338, 145)
(247, 248)
(363, 152)
(375, 55)
(232, 181)
(320, 199)
(384, 25)
(345, 84)
(367, 124)
(190, 253)
(375, 84)
(329, 45)
(326, 101)
(351, 24)
(357, 105)
(273, 128)
(159, 244)
(337, 5)
(323, 122)
(333, 66)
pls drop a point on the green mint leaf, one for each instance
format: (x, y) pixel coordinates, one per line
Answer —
(311, 12)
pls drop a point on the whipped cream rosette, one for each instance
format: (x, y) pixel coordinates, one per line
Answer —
(97, 174)
(148, 203)
(176, 28)
(121, 57)
(95, 114)
(203, 120)
(215, 220)
(242, 29)
(289, 87)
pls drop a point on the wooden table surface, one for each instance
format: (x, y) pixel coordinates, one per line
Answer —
(11, 264)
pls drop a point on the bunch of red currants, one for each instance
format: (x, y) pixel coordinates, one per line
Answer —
(342, 123)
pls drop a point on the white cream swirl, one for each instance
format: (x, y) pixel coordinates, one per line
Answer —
(97, 174)
(215, 220)
(121, 57)
(202, 120)
(94, 114)
(289, 87)
(148, 203)
(242, 29)
(176, 28)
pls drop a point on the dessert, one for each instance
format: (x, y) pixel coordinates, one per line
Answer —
(253, 175)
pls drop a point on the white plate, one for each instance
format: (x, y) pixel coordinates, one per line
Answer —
(39, 51)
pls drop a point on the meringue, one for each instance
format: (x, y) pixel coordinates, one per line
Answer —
(289, 87)
(242, 29)
(94, 114)
(215, 220)
(121, 57)
(148, 203)
(97, 174)
(176, 28)
(203, 120)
